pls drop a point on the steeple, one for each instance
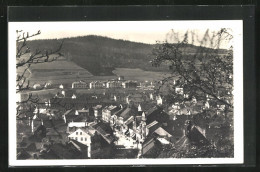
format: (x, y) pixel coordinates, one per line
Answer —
(151, 96)
(139, 108)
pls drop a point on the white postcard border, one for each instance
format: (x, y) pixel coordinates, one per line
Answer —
(237, 27)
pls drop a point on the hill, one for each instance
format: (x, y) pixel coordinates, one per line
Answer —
(101, 55)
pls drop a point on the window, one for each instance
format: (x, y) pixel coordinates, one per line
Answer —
(80, 133)
(76, 133)
(81, 138)
(76, 138)
(85, 138)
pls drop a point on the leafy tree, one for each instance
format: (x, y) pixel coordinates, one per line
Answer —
(25, 58)
(206, 72)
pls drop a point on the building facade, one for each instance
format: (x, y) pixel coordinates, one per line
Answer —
(80, 85)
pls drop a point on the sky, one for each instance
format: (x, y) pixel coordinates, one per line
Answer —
(137, 31)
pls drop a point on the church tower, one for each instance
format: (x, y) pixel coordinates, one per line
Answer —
(143, 126)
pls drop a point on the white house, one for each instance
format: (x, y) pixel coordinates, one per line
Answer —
(74, 96)
(61, 86)
(47, 85)
(207, 105)
(83, 136)
(36, 86)
(179, 91)
(159, 100)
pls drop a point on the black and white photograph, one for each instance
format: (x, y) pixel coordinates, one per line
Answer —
(125, 92)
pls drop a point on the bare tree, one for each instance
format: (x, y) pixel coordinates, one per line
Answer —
(207, 72)
(25, 58)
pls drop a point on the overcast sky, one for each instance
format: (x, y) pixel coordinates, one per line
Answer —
(137, 31)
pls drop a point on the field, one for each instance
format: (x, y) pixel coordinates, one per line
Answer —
(63, 72)
(57, 72)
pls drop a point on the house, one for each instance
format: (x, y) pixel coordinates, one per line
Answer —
(179, 90)
(81, 148)
(96, 84)
(159, 132)
(135, 99)
(82, 136)
(151, 148)
(159, 100)
(47, 85)
(193, 137)
(114, 84)
(129, 84)
(20, 97)
(158, 114)
(37, 86)
(101, 148)
(123, 116)
(73, 115)
(120, 78)
(78, 119)
(53, 135)
(97, 111)
(61, 151)
(147, 145)
(79, 85)
(105, 131)
(108, 111)
(73, 96)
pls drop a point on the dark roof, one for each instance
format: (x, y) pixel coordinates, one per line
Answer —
(195, 137)
(158, 115)
(126, 113)
(154, 151)
(176, 127)
(154, 127)
(63, 152)
(83, 116)
(105, 131)
(79, 146)
(53, 132)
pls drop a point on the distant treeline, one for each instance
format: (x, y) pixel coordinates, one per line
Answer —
(101, 55)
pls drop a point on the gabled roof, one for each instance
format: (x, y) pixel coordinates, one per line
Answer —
(52, 132)
(126, 113)
(79, 146)
(161, 132)
(84, 133)
(158, 115)
(105, 131)
(195, 137)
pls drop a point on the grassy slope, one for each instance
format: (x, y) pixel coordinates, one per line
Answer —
(101, 55)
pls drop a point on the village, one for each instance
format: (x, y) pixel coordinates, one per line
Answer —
(116, 119)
